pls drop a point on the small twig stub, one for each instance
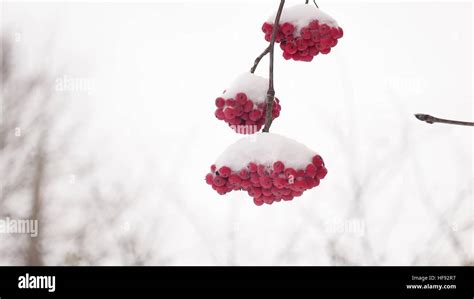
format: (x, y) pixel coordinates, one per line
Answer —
(431, 120)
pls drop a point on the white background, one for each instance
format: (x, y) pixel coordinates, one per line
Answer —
(147, 124)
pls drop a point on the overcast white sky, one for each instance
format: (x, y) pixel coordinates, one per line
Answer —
(155, 69)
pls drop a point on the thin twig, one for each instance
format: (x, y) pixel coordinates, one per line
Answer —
(271, 90)
(314, 1)
(257, 60)
(431, 119)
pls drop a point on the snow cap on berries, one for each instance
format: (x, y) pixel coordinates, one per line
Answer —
(257, 165)
(266, 148)
(254, 86)
(301, 15)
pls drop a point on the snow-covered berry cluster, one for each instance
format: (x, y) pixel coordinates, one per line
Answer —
(268, 184)
(242, 114)
(269, 167)
(243, 105)
(304, 32)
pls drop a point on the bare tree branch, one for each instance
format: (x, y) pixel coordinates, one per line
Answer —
(431, 119)
(271, 90)
(257, 60)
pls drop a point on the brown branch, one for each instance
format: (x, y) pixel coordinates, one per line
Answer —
(257, 60)
(271, 90)
(314, 1)
(431, 119)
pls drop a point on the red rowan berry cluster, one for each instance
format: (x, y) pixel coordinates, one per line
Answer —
(268, 184)
(242, 114)
(311, 40)
(304, 32)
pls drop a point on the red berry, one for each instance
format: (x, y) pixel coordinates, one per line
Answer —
(287, 28)
(213, 168)
(290, 173)
(324, 29)
(255, 115)
(220, 102)
(255, 192)
(252, 167)
(279, 183)
(230, 102)
(313, 51)
(266, 182)
(209, 178)
(219, 181)
(310, 182)
(317, 161)
(310, 170)
(287, 55)
(334, 32)
(246, 185)
(255, 180)
(249, 122)
(261, 170)
(224, 171)
(219, 114)
(316, 182)
(305, 33)
(238, 110)
(276, 192)
(257, 202)
(266, 192)
(229, 113)
(234, 179)
(234, 121)
(221, 190)
(314, 24)
(267, 28)
(241, 98)
(322, 171)
(341, 32)
(248, 106)
(268, 200)
(325, 51)
(291, 48)
(325, 42)
(304, 53)
(301, 44)
(278, 167)
(244, 174)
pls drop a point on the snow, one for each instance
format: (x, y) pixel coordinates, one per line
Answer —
(254, 86)
(265, 148)
(301, 15)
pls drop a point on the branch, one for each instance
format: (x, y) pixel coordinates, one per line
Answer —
(271, 90)
(314, 1)
(431, 119)
(257, 60)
